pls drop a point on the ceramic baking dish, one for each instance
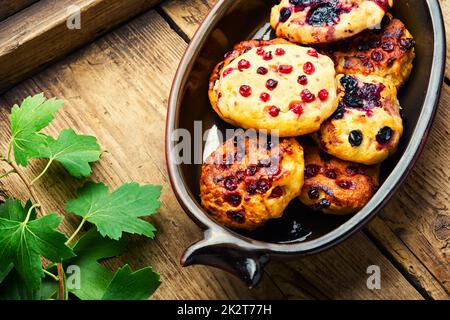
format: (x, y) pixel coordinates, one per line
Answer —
(300, 232)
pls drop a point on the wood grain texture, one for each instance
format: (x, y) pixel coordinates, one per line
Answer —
(115, 93)
(38, 35)
(117, 90)
(10, 7)
(409, 238)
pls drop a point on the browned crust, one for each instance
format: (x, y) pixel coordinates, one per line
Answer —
(363, 180)
(356, 55)
(229, 165)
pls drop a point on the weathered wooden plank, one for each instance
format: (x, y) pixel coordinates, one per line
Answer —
(428, 274)
(39, 34)
(8, 7)
(117, 90)
(419, 215)
(187, 15)
(341, 273)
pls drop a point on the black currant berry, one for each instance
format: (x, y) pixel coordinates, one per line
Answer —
(384, 135)
(285, 13)
(355, 138)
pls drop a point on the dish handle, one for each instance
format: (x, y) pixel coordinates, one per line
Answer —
(241, 262)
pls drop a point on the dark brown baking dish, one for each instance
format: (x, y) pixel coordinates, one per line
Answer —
(300, 231)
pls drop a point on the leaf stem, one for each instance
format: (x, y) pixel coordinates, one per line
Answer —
(7, 173)
(8, 159)
(43, 172)
(34, 206)
(76, 232)
(51, 275)
(21, 176)
(62, 293)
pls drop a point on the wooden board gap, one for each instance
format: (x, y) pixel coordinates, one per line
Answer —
(172, 24)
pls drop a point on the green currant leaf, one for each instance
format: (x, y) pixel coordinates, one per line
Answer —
(15, 288)
(73, 151)
(96, 282)
(94, 277)
(129, 285)
(117, 212)
(25, 240)
(34, 114)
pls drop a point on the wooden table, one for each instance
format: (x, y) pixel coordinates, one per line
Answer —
(117, 87)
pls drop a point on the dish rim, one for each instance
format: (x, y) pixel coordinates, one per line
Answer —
(386, 191)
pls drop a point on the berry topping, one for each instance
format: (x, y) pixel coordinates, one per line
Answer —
(296, 108)
(387, 46)
(383, 4)
(285, 14)
(243, 64)
(271, 84)
(313, 53)
(234, 199)
(384, 135)
(312, 170)
(345, 184)
(227, 71)
(406, 44)
(332, 174)
(274, 111)
(286, 69)
(313, 193)
(353, 170)
(245, 91)
(277, 192)
(228, 54)
(230, 183)
(307, 96)
(339, 113)
(326, 14)
(260, 51)
(390, 61)
(355, 138)
(349, 83)
(323, 95)
(268, 56)
(264, 97)
(353, 101)
(262, 71)
(251, 170)
(309, 68)
(251, 188)
(236, 216)
(303, 80)
(280, 52)
(262, 186)
(366, 96)
(324, 203)
(377, 56)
